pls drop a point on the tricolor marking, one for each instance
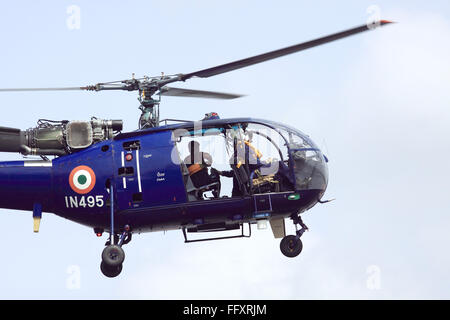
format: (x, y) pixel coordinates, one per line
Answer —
(82, 179)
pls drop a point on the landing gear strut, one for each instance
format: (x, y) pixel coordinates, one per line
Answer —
(113, 254)
(291, 245)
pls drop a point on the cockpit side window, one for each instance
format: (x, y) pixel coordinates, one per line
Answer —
(203, 156)
(274, 158)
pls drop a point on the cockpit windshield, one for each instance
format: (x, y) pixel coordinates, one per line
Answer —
(309, 164)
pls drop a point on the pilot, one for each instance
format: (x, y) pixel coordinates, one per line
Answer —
(246, 159)
(246, 154)
(197, 163)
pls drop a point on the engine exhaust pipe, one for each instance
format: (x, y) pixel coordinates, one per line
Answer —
(11, 139)
(45, 141)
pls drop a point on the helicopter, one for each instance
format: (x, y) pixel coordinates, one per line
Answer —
(168, 174)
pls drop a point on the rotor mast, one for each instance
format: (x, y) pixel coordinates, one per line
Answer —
(147, 88)
(148, 105)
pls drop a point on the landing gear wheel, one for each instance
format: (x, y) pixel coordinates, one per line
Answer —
(113, 256)
(290, 246)
(110, 272)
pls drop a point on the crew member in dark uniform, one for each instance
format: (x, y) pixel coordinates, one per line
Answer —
(197, 163)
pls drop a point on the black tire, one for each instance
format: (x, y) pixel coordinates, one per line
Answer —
(113, 256)
(290, 246)
(110, 272)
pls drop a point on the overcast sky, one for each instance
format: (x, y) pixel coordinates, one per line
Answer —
(376, 103)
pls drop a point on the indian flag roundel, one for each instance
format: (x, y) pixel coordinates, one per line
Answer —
(82, 179)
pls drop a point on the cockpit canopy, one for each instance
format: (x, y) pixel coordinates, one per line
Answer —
(263, 156)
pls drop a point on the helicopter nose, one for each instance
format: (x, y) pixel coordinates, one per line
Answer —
(311, 171)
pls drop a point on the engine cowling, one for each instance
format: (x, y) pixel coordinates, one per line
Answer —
(58, 137)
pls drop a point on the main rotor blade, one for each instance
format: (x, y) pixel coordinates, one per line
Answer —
(205, 73)
(180, 92)
(42, 89)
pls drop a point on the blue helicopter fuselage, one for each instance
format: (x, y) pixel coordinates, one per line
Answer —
(149, 187)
